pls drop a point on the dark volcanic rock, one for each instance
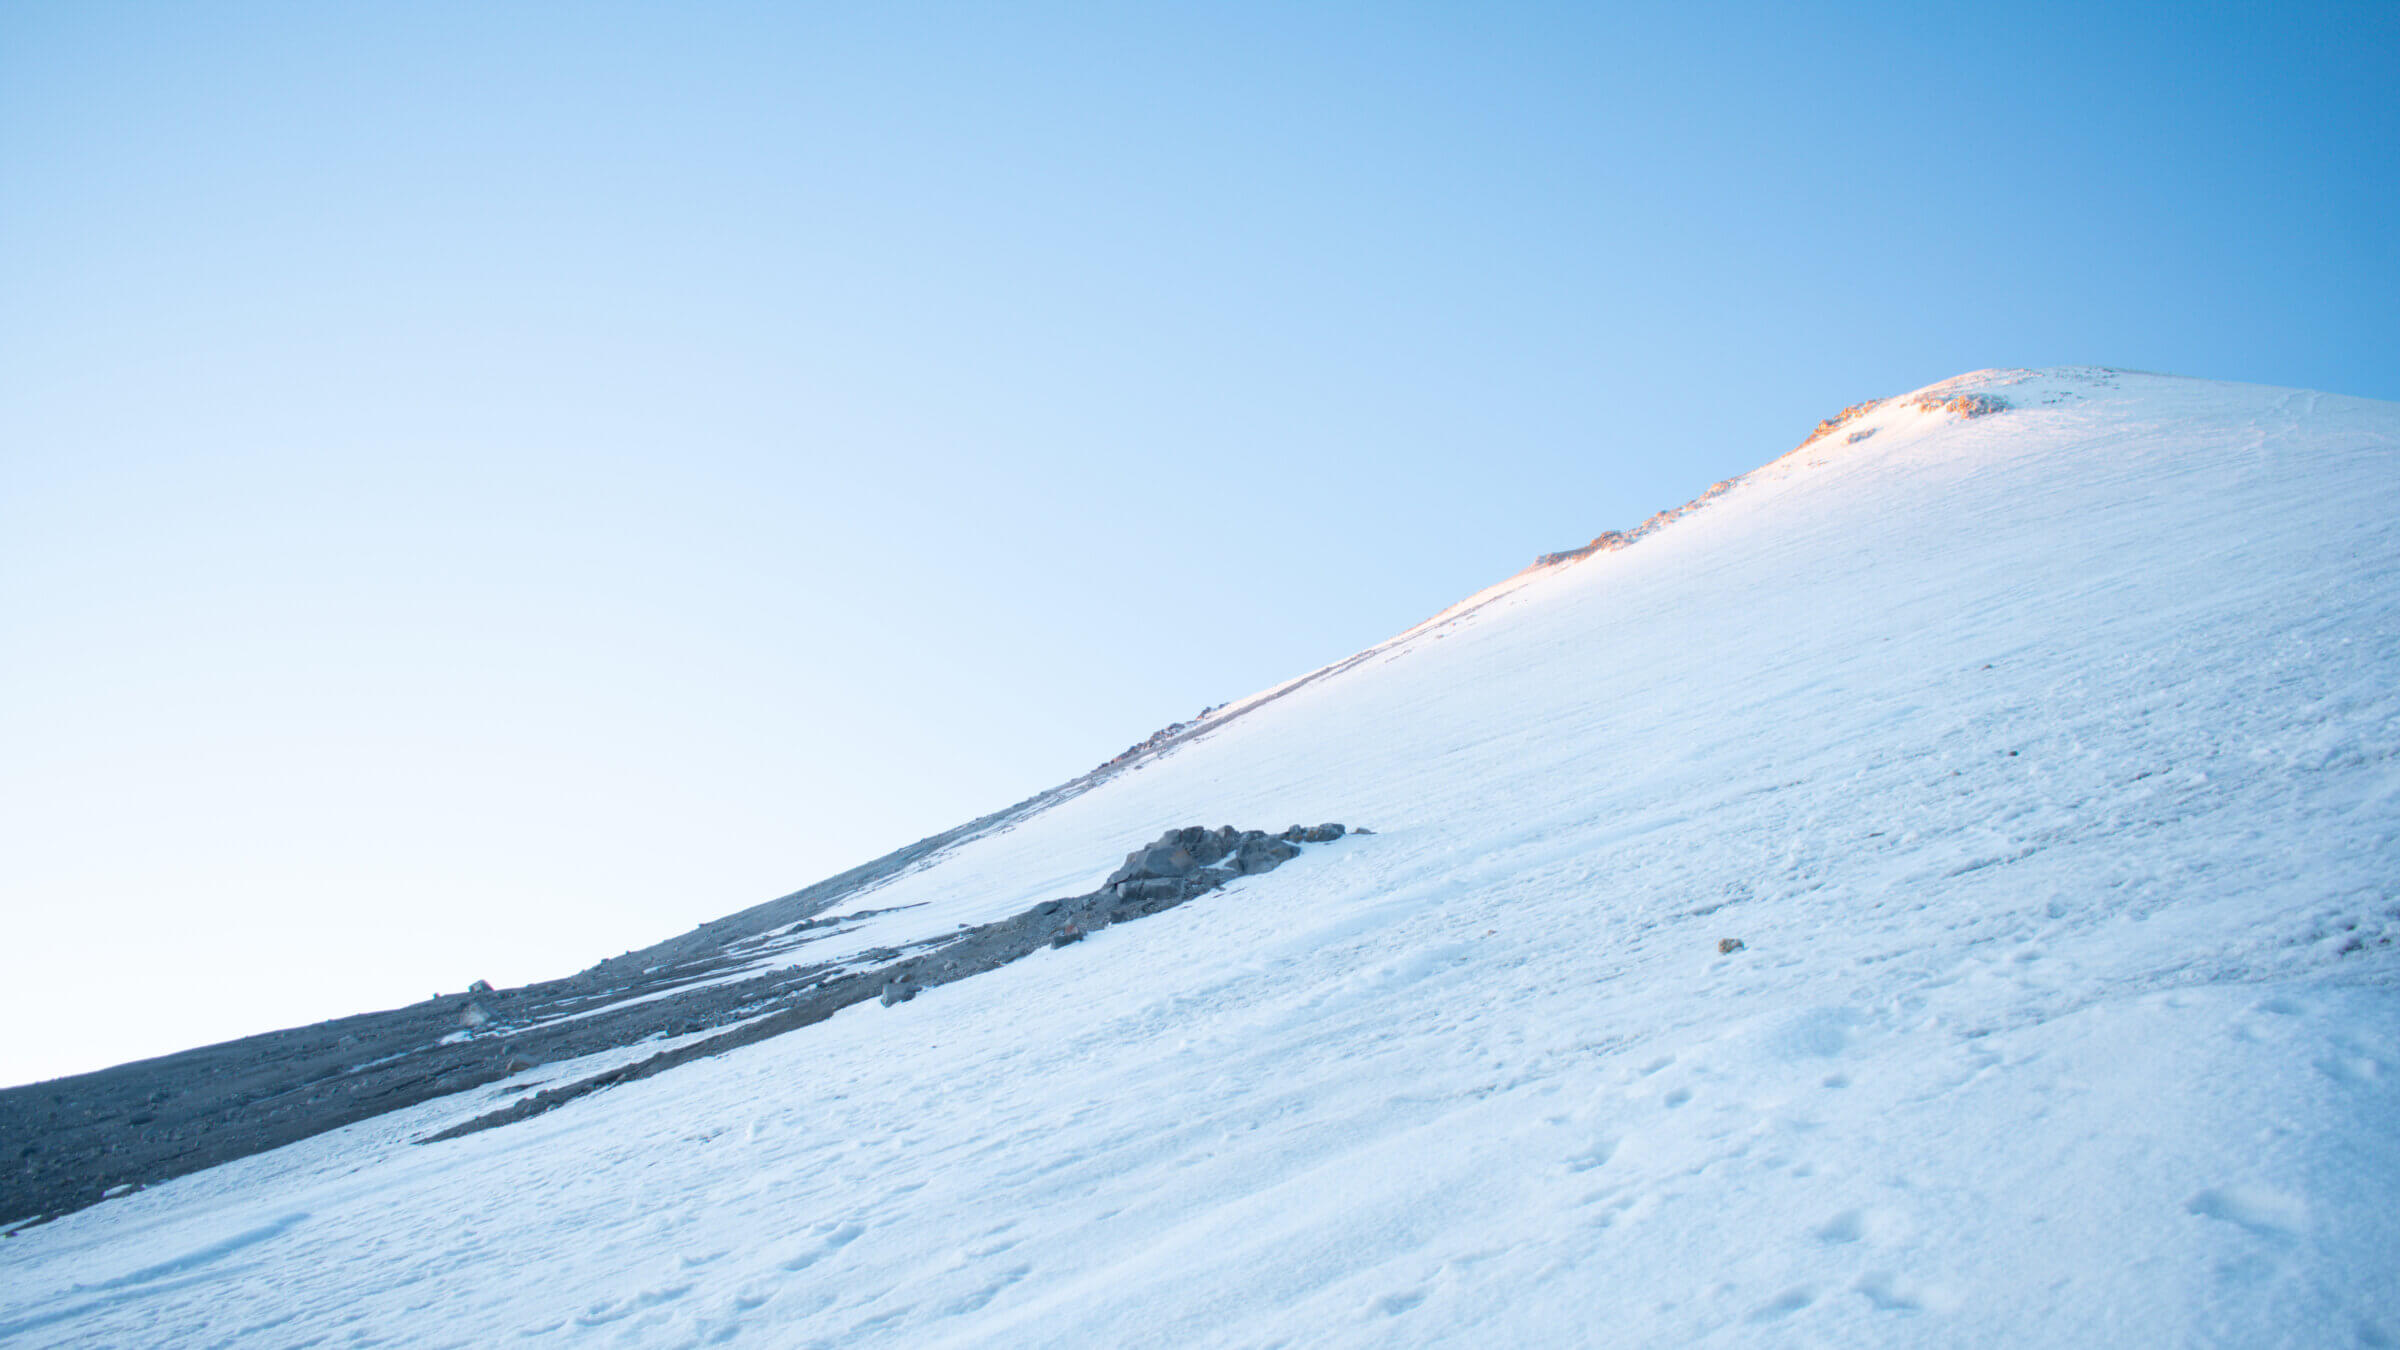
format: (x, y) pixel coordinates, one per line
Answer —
(1264, 855)
(1162, 859)
(969, 951)
(1214, 844)
(64, 1144)
(1150, 888)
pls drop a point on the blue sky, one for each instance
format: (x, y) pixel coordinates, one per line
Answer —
(485, 486)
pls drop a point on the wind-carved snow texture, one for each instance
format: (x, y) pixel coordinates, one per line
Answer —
(2045, 765)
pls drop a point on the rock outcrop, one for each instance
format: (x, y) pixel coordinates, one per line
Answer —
(67, 1143)
(1177, 866)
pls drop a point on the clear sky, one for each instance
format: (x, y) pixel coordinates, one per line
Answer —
(485, 486)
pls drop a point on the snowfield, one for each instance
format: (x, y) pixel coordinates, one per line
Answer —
(2044, 764)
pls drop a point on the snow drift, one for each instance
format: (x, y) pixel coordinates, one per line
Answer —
(2042, 762)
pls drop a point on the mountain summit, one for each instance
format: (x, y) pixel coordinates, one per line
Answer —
(1935, 889)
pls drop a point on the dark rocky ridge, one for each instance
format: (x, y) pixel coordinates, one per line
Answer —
(1179, 866)
(64, 1143)
(68, 1143)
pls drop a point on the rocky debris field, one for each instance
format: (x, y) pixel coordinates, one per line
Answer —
(1179, 865)
(72, 1142)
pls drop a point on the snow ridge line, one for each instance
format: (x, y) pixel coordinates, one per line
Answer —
(649, 982)
(1612, 540)
(1933, 398)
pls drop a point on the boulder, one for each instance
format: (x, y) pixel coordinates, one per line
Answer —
(1169, 862)
(1263, 855)
(1166, 858)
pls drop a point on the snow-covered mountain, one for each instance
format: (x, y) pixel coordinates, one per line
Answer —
(1937, 889)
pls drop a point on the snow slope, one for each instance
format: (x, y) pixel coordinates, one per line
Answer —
(2043, 762)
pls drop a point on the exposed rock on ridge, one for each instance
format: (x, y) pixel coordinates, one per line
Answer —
(67, 1143)
(1170, 870)
(1939, 398)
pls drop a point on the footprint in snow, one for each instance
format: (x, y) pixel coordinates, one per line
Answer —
(1887, 1292)
(2351, 1071)
(878, 1322)
(1783, 1305)
(833, 1241)
(1392, 1305)
(974, 1302)
(2264, 1212)
(651, 1298)
(610, 1310)
(1847, 1226)
(1595, 1156)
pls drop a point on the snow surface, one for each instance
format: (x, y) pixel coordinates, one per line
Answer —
(2044, 762)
